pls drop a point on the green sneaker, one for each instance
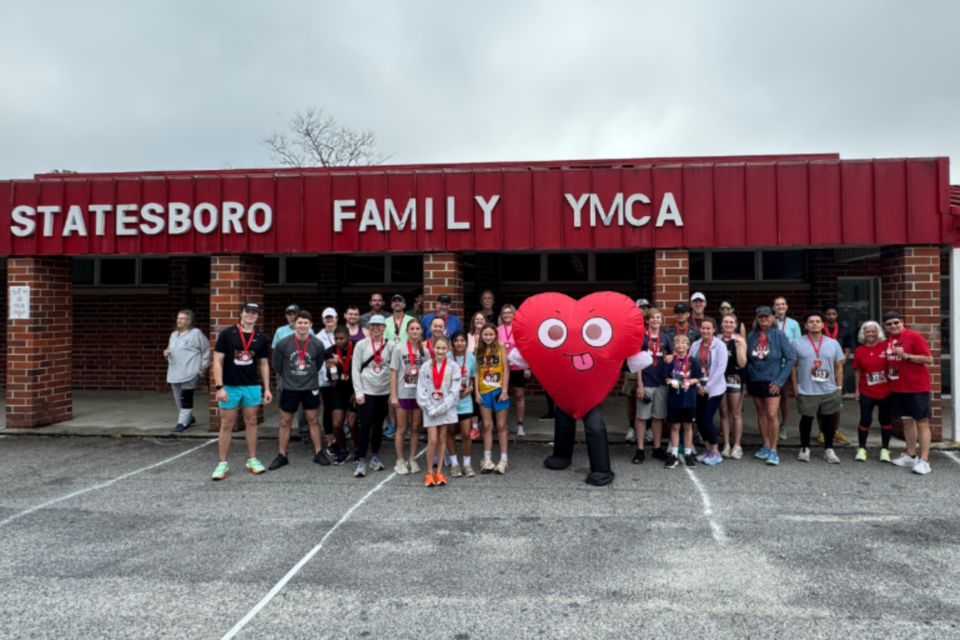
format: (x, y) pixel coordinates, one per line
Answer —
(884, 455)
(254, 466)
(861, 455)
(221, 472)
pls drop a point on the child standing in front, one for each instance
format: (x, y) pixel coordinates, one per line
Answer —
(438, 391)
(682, 376)
(467, 363)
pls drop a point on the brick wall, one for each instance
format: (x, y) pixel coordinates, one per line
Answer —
(671, 280)
(3, 334)
(443, 274)
(39, 366)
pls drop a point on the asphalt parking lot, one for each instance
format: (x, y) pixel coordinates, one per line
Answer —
(124, 538)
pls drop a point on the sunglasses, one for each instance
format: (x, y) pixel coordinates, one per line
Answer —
(891, 323)
(725, 308)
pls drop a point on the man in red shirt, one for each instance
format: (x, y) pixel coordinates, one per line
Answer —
(908, 357)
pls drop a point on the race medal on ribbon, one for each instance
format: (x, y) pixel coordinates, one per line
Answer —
(437, 395)
(301, 366)
(438, 377)
(377, 368)
(413, 371)
(245, 356)
(397, 340)
(817, 363)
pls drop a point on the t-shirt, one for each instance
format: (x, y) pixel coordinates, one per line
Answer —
(394, 332)
(239, 364)
(468, 369)
(908, 377)
(452, 324)
(343, 384)
(690, 331)
(400, 362)
(676, 371)
(815, 379)
(296, 374)
(734, 373)
(872, 364)
(652, 376)
(283, 332)
(508, 340)
(491, 373)
(789, 326)
(841, 334)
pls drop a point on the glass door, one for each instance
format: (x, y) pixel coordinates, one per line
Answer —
(859, 301)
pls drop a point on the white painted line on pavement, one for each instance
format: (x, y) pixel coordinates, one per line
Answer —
(952, 455)
(716, 529)
(3, 523)
(296, 568)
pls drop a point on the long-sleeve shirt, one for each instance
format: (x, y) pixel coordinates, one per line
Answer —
(294, 374)
(446, 406)
(713, 362)
(374, 379)
(189, 352)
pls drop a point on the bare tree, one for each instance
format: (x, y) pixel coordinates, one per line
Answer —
(315, 139)
(62, 171)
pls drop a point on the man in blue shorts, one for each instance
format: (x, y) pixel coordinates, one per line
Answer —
(239, 353)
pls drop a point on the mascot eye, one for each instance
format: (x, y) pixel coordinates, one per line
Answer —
(552, 333)
(597, 332)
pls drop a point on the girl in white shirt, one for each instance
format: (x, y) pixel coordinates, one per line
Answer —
(438, 391)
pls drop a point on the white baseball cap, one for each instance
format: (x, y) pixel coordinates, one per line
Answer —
(329, 311)
(698, 296)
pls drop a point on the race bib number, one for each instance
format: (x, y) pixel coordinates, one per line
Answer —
(491, 379)
(410, 378)
(876, 377)
(761, 352)
(733, 381)
(894, 373)
(820, 375)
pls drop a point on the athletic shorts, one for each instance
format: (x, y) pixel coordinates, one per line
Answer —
(491, 400)
(653, 404)
(409, 404)
(759, 389)
(464, 416)
(517, 379)
(250, 396)
(341, 400)
(629, 384)
(825, 403)
(681, 415)
(912, 406)
(291, 400)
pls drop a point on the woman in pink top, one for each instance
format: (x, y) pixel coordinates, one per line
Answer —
(473, 331)
(518, 376)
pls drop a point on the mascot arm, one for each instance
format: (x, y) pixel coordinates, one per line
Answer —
(516, 359)
(640, 361)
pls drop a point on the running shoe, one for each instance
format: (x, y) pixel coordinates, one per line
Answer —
(906, 461)
(468, 471)
(455, 471)
(839, 437)
(520, 432)
(401, 468)
(414, 467)
(820, 437)
(630, 437)
(861, 455)
(390, 432)
(763, 454)
(922, 467)
(783, 432)
(346, 431)
(428, 481)
(773, 459)
(690, 460)
(737, 452)
(341, 457)
(193, 421)
(726, 451)
(180, 428)
(305, 438)
(333, 450)
(423, 438)
(715, 458)
(547, 417)
(639, 457)
(701, 456)
(221, 472)
(501, 467)
(804, 455)
(321, 458)
(659, 453)
(671, 462)
(474, 434)
(487, 466)
(440, 479)
(884, 455)
(831, 457)
(254, 466)
(361, 470)
(278, 462)
(375, 463)
(648, 435)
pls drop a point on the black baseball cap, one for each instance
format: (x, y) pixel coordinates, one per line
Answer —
(891, 315)
(764, 311)
(443, 298)
(681, 308)
(250, 306)
(292, 309)
(397, 296)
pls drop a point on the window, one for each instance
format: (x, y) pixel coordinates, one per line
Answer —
(612, 267)
(747, 266)
(290, 270)
(199, 271)
(520, 267)
(569, 267)
(393, 269)
(121, 272)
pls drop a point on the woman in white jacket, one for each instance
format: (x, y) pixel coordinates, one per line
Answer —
(438, 390)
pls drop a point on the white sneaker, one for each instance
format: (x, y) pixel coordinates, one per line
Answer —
(401, 469)
(648, 435)
(737, 453)
(831, 457)
(906, 461)
(804, 455)
(520, 432)
(726, 451)
(631, 435)
(414, 467)
(501, 467)
(922, 467)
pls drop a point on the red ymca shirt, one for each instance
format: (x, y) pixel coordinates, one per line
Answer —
(908, 377)
(872, 364)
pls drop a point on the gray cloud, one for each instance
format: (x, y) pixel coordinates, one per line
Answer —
(185, 85)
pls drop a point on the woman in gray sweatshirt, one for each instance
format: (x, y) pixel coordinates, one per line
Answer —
(188, 357)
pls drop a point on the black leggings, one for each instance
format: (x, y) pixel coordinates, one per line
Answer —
(371, 414)
(826, 427)
(706, 409)
(326, 396)
(866, 418)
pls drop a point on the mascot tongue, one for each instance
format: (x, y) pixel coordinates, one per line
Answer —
(575, 348)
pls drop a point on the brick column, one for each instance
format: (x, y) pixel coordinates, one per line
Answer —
(40, 348)
(671, 280)
(233, 281)
(910, 285)
(443, 273)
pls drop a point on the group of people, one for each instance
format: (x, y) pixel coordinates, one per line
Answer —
(381, 375)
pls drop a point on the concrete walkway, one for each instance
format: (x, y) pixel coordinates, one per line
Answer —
(153, 415)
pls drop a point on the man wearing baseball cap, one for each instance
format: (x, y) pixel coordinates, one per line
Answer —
(396, 330)
(698, 302)
(681, 326)
(240, 353)
(443, 312)
(282, 332)
(908, 359)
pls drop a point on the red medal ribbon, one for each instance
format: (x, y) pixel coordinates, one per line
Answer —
(685, 367)
(508, 333)
(463, 367)
(429, 344)
(836, 330)
(762, 337)
(345, 363)
(816, 350)
(684, 332)
(376, 352)
(655, 346)
(412, 358)
(301, 353)
(246, 344)
(704, 355)
(438, 375)
(693, 321)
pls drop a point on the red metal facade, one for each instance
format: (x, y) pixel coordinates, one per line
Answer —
(768, 202)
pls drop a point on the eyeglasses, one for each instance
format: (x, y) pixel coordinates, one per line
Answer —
(891, 323)
(725, 308)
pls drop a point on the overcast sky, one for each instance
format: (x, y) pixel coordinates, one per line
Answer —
(132, 86)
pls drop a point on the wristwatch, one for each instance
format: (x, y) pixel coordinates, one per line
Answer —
(219, 386)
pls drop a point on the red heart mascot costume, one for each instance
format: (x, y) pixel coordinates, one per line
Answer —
(575, 349)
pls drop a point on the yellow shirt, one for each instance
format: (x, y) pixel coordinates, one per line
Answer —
(491, 373)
